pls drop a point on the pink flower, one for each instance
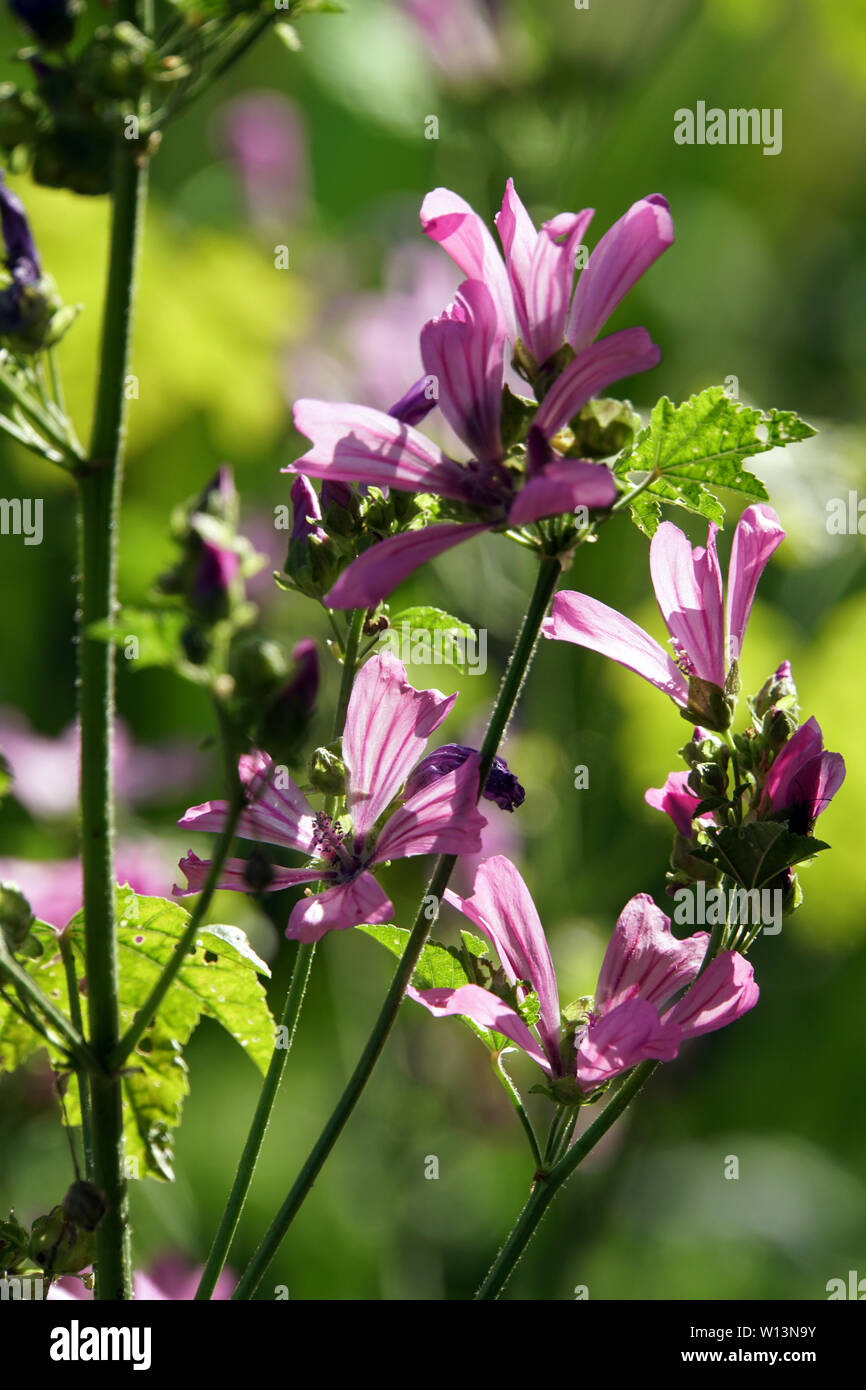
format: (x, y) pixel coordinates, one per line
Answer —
(633, 1017)
(459, 35)
(803, 779)
(46, 769)
(54, 887)
(464, 357)
(678, 801)
(388, 724)
(533, 286)
(688, 587)
(170, 1280)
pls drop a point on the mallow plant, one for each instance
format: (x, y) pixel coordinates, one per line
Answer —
(520, 367)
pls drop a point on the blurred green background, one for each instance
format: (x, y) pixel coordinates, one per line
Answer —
(766, 282)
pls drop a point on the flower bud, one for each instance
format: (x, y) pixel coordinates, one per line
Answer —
(603, 428)
(289, 713)
(777, 726)
(328, 772)
(778, 689)
(417, 403)
(501, 787)
(708, 705)
(258, 666)
(19, 114)
(85, 1204)
(116, 61)
(707, 779)
(51, 22)
(16, 916)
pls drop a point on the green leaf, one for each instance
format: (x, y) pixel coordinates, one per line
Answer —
(757, 853)
(219, 979)
(439, 967)
(423, 634)
(699, 445)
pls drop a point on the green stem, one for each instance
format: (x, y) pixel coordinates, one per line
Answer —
(514, 1096)
(546, 1189)
(80, 1075)
(99, 496)
(30, 994)
(289, 1021)
(509, 691)
(151, 1005)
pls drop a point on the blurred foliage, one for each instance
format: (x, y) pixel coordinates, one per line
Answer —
(766, 282)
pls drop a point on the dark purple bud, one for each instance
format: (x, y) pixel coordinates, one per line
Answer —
(501, 787)
(417, 403)
(215, 569)
(307, 511)
(220, 498)
(336, 495)
(50, 21)
(303, 687)
(288, 715)
(22, 258)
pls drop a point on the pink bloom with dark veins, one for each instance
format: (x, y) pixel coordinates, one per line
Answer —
(388, 724)
(688, 587)
(633, 1017)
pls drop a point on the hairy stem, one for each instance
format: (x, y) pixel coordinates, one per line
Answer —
(509, 690)
(99, 498)
(288, 1022)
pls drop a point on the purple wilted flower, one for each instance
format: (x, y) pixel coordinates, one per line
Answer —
(632, 1017)
(52, 22)
(388, 724)
(688, 588)
(803, 779)
(501, 787)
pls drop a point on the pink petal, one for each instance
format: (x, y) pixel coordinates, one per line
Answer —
(644, 960)
(234, 876)
(448, 219)
(622, 256)
(347, 905)
(621, 354)
(758, 534)
(589, 623)
(502, 907)
(628, 1034)
(388, 723)
(376, 573)
(518, 236)
(803, 773)
(464, 351)
(688, 587)
(551, 279)
(275, 814)
(678, 802)
(724, 992)
(355, 444)
(485, 1009)
(442, 818)
(560, 487)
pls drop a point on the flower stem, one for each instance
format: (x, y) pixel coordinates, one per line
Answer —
(548, 577)
(514, 1096)
(546, 1188)
(81, 1076)
(291, 1013)
(99, 496)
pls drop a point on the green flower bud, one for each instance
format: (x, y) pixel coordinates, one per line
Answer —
(778, 689)
(19, 114)
(707, 779)
(14, 1246)
(327, 771)
(688, 868)
(16, 916)
(708, 705)
(777, 726)
(603, 428)
(116, 61)
(258, 666)
(58, 1246)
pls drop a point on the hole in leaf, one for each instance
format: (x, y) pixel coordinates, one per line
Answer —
(210, 957)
